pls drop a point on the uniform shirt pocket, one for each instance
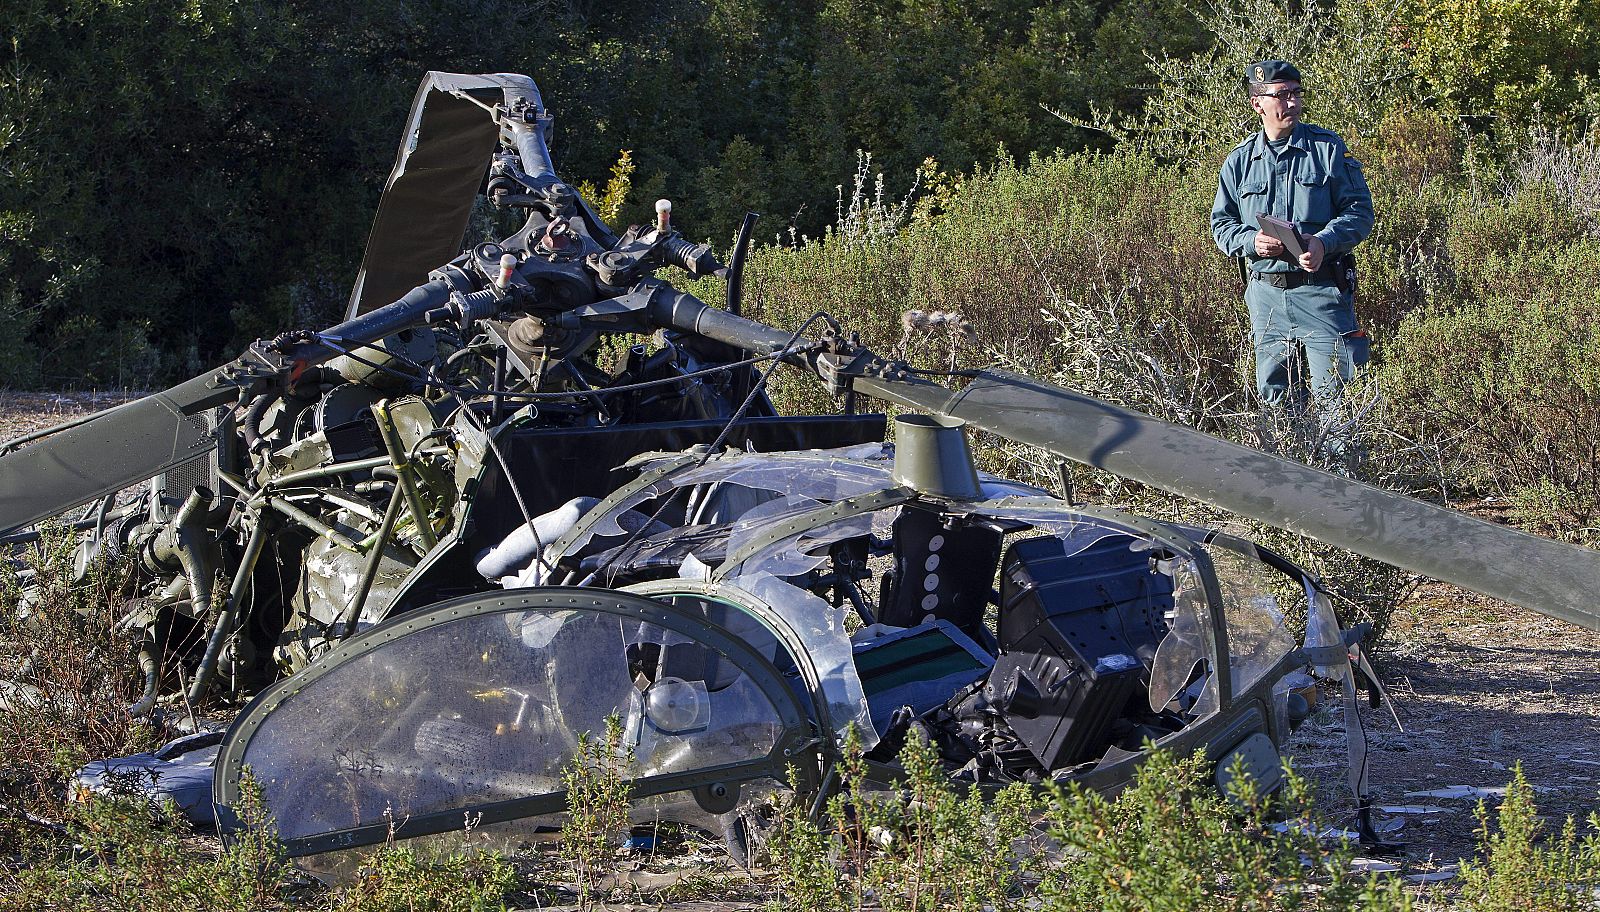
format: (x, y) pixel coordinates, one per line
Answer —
(1313, 200)
(1252, 201)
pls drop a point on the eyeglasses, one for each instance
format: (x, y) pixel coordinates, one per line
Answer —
(1283, 94)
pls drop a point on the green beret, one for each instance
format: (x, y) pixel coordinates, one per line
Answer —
(1263, 71)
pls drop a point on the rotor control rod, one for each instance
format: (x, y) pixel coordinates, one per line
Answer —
(411, 310)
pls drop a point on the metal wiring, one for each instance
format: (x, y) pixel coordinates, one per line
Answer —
(727, 428)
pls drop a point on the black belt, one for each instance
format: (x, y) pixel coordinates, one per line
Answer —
(1324, 276)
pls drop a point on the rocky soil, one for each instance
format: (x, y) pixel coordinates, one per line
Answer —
(1479, 686)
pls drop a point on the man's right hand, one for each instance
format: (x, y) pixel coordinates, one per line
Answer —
(1267, 245)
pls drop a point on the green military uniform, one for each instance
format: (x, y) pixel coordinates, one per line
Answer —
(1310, 179)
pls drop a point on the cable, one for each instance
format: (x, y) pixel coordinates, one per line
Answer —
(761, 382)
(430, 378)
(511, 482)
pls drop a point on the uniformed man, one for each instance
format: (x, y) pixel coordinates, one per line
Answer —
(1302, 174)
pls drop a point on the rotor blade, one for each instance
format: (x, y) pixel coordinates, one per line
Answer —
(120, 447)
(444, 151)
(1550, 577)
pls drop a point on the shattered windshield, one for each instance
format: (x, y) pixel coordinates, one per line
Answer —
(1037, 636)
(822, 476)
(489, 707)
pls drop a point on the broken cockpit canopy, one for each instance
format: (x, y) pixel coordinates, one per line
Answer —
(474, 707)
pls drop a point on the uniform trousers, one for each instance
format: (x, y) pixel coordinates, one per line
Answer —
(1317, 317)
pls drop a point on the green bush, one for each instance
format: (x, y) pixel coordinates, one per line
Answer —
(1171, 842)
(73, 672)
(123, 853)
(1511, 61)
(1516, 873)
(924, 847)
(1510, 389)
(597, 804)
(1005, 247)
(1355, 74)
(395, 879)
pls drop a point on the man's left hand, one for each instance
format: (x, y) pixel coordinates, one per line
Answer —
(1311, 260)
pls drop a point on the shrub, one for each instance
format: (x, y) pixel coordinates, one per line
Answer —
(1569, 170)
(597, 804)
(1512, 60)
(1515, 872)
(802, 855)
(74, 673)
(1003, 246)
(1512, 389)
(121, 853)
(1355, 75)
(1172, 842)
(395, 879)
(925, 846)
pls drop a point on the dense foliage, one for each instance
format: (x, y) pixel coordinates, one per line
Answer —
(177, 179)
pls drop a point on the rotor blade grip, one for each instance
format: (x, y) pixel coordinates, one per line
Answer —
(1551, 577)
(408, 311)
(680, 310)
(119, 448)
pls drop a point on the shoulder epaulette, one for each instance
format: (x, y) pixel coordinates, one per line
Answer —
(1243, 144)
(1323, 133)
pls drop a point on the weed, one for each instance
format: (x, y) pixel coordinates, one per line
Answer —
(71, 672)
(597, 805)
(1356, 72)
(253, 867)
(803, 856)
(395, 879)
(1515, 872)
(123, 853)
(1513, 383)
(1170, 841)
(924, 846)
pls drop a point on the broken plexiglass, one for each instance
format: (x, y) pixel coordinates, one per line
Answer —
(489, 707)
(821, 627)
(747, 494)
(1182, 667)
(1258, 637)
(744, 481)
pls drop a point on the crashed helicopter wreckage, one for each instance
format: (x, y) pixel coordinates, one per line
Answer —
(438, 541)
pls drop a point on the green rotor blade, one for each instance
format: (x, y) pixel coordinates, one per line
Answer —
(1550, 577)
(121, 446)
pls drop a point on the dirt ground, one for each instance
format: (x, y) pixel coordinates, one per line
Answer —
(21, 413)
(1479, 686)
